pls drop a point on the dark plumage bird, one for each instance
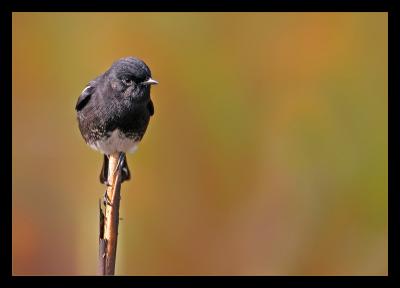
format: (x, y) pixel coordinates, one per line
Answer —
(114, 110)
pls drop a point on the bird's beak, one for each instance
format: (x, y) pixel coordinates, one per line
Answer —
(149, 82)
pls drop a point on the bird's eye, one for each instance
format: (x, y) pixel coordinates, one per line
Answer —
(127, 82)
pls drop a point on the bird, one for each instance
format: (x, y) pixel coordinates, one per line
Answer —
(114, 110)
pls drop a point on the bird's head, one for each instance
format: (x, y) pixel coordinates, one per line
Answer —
(131, 77)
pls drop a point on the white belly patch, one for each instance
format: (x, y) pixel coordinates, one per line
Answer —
(116, 142)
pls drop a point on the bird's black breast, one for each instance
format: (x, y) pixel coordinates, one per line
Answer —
(133, 122)
(150, 107)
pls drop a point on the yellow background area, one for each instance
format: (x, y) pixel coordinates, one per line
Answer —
(266, 155)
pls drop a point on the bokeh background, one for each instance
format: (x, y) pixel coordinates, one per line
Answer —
(267, 153)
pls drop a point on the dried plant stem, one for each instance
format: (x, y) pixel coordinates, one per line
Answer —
(109, 222)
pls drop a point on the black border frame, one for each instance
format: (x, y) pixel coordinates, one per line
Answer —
(8, 7)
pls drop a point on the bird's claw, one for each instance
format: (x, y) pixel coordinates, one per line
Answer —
(120, 162)
(106, 200)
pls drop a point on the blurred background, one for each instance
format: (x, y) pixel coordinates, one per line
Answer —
(267, 153)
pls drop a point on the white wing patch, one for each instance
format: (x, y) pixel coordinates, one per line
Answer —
(87, 87)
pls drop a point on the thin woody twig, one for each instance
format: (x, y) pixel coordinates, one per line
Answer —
(102, 244)
(109, 234)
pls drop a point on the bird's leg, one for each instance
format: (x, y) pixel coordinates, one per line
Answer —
(104, 171)
(125, 173)
(104, 179)
(123, 165)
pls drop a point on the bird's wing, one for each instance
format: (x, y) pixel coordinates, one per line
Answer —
(84, 97)
(150, 108)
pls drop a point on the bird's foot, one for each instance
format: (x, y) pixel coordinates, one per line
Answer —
(106, 199)
(120, 163)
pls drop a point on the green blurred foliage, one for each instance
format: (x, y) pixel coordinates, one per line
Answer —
(267, 153)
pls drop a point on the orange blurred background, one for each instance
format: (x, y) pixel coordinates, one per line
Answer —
(267, 153)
